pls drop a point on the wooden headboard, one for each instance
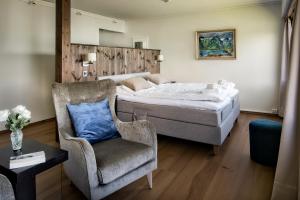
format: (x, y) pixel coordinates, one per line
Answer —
(111, 61)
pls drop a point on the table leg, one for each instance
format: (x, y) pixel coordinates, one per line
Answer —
(25, 188)
(61, 181)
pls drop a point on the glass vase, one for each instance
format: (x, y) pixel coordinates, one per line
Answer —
(16, 138)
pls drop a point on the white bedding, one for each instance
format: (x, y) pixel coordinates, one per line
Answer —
(190, 95)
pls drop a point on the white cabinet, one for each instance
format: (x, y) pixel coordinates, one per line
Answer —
(85, 26)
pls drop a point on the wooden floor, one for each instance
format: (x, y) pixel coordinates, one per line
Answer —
(186, 170)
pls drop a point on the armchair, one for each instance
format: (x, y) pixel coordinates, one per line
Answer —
(103, 168)
(6, 190)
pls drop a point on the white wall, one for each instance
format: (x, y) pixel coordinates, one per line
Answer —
(27, 57)
(256, 69)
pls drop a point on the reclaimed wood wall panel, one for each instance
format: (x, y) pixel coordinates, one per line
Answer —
(150, 62)
(111, 61)
(104, 58)
(118, 62)
(76, 67)
(130, 60)
(141, 60)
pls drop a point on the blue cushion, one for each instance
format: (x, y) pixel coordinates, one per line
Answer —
(93, 121)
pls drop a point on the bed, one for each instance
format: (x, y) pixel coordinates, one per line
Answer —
(181, 110)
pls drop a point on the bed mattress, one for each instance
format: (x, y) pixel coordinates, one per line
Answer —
(187, 111)
(177, 110)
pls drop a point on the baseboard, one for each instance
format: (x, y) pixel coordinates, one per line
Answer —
(31, 125)
(259, 113)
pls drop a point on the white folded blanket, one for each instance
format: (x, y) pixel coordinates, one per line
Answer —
(226, 84)
(185, 91)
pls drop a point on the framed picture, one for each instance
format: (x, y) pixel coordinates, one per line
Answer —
(218, 44)
(140, 42)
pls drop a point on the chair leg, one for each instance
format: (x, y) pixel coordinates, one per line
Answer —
(149, 178)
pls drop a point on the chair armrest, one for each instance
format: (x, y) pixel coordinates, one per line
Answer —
(141, 131)
(6, 190)
(86, 148)
(81, 166)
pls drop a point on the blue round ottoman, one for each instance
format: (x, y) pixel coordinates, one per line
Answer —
(264, 141)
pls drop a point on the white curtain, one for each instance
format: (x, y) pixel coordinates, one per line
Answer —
(285, 67)
(287, 179)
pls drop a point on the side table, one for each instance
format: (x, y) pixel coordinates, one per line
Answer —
(23, 179)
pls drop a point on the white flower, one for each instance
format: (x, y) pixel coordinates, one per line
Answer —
(19, 109)
(22, 111)
(4, 115)
(26, 114)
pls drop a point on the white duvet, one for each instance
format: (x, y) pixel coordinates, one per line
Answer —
(195, 95)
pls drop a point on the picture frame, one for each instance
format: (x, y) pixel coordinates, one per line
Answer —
(140, 42)
(216, 44)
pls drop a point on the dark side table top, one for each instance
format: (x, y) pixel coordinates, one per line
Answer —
(54, 156)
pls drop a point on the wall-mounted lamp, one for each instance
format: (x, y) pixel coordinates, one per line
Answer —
(88, 59)
(31, 2)
(160, 58)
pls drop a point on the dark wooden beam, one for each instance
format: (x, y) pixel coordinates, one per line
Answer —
(63, 39)
(63, 42)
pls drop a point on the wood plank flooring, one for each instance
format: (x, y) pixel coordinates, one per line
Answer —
(186, 170)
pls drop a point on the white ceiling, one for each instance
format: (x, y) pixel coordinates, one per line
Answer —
(155, 8)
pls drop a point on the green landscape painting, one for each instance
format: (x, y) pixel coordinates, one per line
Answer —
(216, 44)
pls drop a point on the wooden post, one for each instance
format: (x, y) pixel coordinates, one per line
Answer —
(63, 40)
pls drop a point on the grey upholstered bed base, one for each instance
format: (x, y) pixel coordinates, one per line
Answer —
(204, 131)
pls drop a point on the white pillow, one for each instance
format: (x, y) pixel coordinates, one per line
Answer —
(136, 83)
(211, 86)
(152, 84)
(127, 89)
(157, 79)
(119, 78)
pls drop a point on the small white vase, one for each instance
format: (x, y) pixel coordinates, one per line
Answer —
(16, 138)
